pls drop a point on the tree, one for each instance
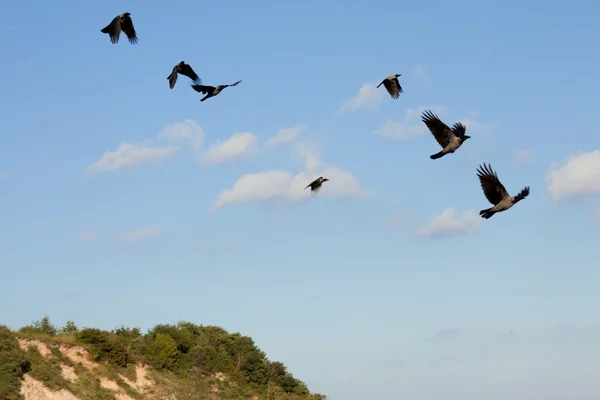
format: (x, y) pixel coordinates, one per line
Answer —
(69, 327)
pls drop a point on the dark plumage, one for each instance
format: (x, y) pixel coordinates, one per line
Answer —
(316, 184)
(211, 91)
(449, 139)
(183, 69)
(392, 85)
(495, 192)
(120, 23)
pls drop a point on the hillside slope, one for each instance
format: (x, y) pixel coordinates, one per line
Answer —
(176, 362)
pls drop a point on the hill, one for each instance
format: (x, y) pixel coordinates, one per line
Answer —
(176, 362)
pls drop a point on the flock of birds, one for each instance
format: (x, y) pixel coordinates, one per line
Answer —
(450, 139)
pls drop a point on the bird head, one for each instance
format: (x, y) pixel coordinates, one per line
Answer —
(126, 14)
(324, 179)
(397, 75)
(181, 63)
(466, 137)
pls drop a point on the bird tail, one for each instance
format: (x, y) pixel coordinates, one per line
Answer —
(487, 213)
(437, 155)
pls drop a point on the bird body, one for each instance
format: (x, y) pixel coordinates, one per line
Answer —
(392, 85)
(183, 69)
(316, 184)
(449, 138)
(496, 193)
(120, 23)
(211, 91)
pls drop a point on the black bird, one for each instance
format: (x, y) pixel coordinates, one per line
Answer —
(316, 184)
(120, 23)
(183, 69)
(210, 91)
(495, 192)
(392, 85)
(449, 139)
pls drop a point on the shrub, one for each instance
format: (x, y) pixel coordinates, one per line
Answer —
(104, 348)
(13, 365)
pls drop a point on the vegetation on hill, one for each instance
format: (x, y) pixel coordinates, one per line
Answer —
(186, 360)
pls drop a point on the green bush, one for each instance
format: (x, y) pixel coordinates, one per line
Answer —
(13, 365)
(104, 347)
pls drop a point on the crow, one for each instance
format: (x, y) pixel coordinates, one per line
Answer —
(210, 91)
(183, 69)
(495, 192)
(449, 139)
(316, 184)
(392, 85)
(120, 23)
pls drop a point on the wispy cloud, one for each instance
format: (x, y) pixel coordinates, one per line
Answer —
(368, 98)
(285, 136)
(238, 145)
(411, 126)
(87, 236)
(187, 131)
(136, 235)
(522, 156)
(131, 154)
(422, 76)
(578, 176)
(448, 223)
(284, 188)
(396, 220)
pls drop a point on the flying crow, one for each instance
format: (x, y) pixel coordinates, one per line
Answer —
(210, 91)
(316, 184)
(496, 193)
(392, 85)
(120, 23)
(183, 69)
(449, 139)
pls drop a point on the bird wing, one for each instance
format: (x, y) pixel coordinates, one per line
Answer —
(523, 193)
(393, 87)
(312, 184)
(189, 72)
(493, 189)
(459, 129)
(127, 26)
(113, 29)
(173, 77)
(203, 89)
(234, 84)
(440, 131)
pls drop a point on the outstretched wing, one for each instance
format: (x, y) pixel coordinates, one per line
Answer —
(234, 84)
(440, 131)
(493, 189)
(173, 77)
(113, 29)
(189, 72)
(203, 89)
(127, 26)
(393, 87)
(459, 129)
(522, 194)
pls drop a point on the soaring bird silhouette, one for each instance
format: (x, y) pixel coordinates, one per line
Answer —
(183, 69)
(392, 85)
(449, 139)
(316, 184)
(211, 91)
(120, 23)
(495, 192)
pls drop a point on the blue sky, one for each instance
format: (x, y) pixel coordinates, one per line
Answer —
(120, 200)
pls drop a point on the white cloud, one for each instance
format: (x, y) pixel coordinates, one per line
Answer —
(87, 236)
(238, 145)
(129, 154)
(396, 220)
(138, 234)
(522, 156)
(286, 135)
(422, 76)
(283, 187)
(186, 131)
(578, 176)
(449, 224)
(368, 98)
(412, 125)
